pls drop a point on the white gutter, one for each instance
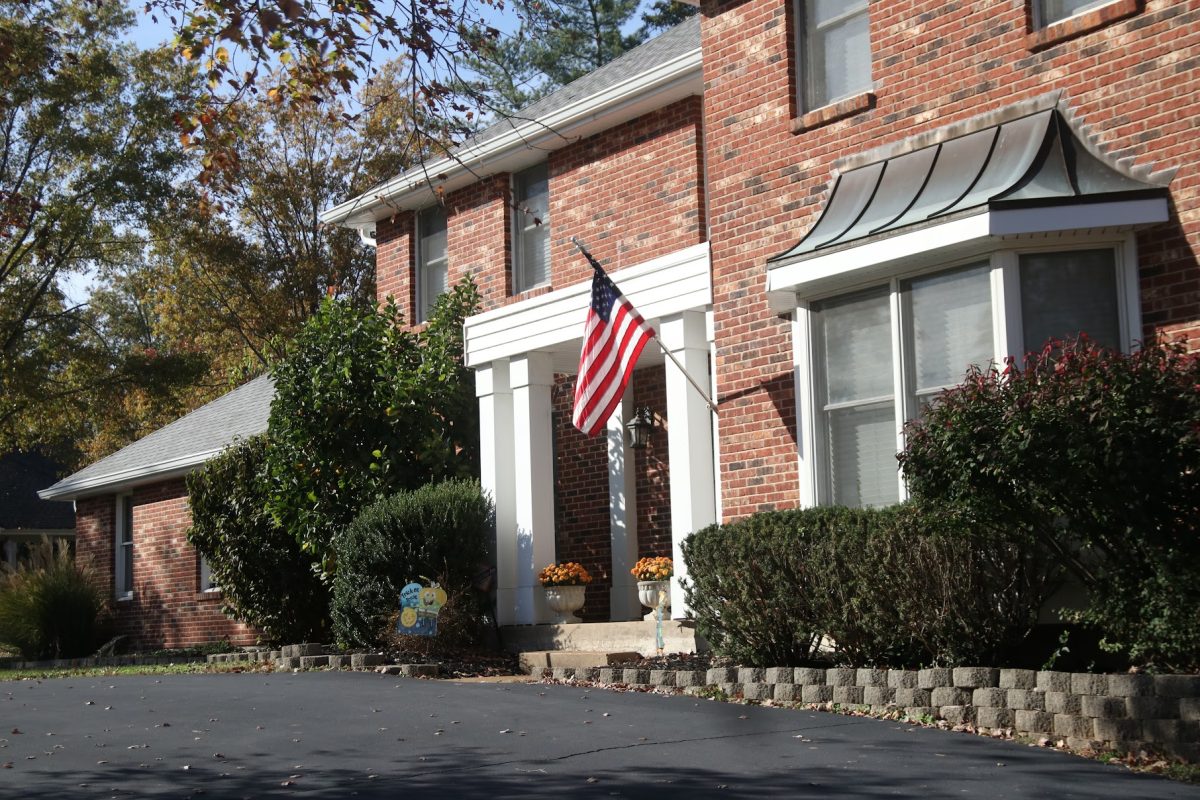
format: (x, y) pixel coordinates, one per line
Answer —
(672, 80)
(123, 479)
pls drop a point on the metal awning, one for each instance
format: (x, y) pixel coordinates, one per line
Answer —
(1028, 162)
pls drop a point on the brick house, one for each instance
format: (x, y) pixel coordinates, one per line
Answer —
(827, 211)
(132, 517)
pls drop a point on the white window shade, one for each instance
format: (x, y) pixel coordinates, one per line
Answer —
(859, 408)
(862, 449)
(858, 347)
(532, 236)
(951, 326)
(838, 48)
(1067, 293)
(432, 266)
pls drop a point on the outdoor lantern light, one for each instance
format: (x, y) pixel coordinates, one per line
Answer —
(640, 428)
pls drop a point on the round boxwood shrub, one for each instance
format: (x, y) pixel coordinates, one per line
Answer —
(438, 532)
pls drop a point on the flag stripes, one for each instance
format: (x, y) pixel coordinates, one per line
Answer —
(613, 338)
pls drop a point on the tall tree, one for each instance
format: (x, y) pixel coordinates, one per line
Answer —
(87, 153)
(238, 272)
(558, 43)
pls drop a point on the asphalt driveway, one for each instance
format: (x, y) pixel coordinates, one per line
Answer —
(340, 734)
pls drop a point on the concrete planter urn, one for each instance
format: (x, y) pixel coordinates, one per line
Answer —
(564, 601)
(651, 593)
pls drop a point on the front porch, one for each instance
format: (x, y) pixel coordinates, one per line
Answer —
(525, 356)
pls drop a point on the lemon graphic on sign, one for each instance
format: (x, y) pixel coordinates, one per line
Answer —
(408, 617)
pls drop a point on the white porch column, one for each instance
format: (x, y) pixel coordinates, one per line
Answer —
(689, 440)
(10, 552)
(531, 376)
(497, 477)
(623, 603)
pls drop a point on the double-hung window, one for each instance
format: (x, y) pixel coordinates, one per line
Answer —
(207, 584)
(880, 355)
(432, 272)
(835, 43)
(531, 235)
(123, 548)
(1048, 12)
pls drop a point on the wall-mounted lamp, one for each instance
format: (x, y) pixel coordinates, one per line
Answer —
(640, 428)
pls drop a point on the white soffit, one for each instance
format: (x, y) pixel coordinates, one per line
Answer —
(671, 284)
(978, 233)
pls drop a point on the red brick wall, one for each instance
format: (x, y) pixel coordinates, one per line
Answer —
(632, 193)
(581, 512)
(652, 467)
(581, 523)
(1134, 81)
(167, 609)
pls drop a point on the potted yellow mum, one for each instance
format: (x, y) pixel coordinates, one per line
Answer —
(653, 575)
(565, 586)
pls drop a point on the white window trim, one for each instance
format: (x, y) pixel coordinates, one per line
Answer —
(422, 311)
(518, 251)
(804, 60)
(1006, 335)
(1038, 8)
(119, 576)
(206, 576)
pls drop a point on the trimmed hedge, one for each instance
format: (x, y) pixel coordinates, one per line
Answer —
(438, 532)
(887, 587)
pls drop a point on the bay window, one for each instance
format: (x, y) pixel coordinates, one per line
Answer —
(878, 356)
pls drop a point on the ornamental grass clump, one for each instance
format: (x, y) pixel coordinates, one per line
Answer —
(653, 568)
(52, 607)
(568, 573)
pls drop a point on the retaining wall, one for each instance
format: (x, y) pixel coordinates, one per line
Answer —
(1125, 713)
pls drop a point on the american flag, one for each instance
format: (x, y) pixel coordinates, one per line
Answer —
(613, 339)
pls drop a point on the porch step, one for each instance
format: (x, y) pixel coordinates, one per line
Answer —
(679, 636)
(534, 661)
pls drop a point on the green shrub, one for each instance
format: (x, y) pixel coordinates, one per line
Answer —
(1095, 457)
(52, 607)
(265, 580)
(439, 532)
(888, 587)
(364, 408)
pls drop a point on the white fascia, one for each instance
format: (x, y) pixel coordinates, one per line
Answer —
(526, 142)
(839, 269)
(126, 479)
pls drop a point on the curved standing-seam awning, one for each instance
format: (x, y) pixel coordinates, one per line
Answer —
(1032, 161)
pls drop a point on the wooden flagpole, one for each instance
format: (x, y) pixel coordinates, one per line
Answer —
(703, 394)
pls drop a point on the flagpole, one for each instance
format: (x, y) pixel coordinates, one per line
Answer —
(654, 334)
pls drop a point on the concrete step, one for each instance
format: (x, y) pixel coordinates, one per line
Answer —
(638, 636)
(534, 661)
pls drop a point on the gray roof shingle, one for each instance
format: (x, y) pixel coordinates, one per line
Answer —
(186, 443)
(678, 41)
(682, 39)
